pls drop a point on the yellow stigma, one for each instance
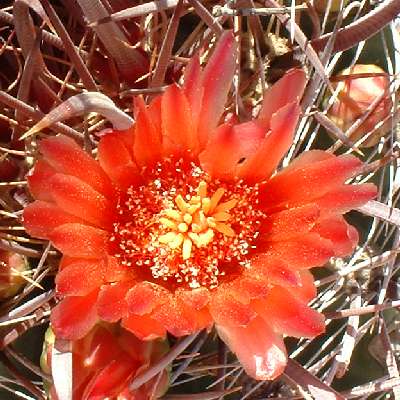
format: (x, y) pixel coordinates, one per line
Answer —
(194, 220)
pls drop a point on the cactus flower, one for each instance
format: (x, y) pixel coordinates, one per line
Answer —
(182, 222)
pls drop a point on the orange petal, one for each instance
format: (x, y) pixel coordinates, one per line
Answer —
(217, 80)
(306, 291)
(144, 297)
(290, 223)
(116, 159)
(77, 240)
(193, 88)
(176, 317)
(109, 382)
(177, 124)
(346, 198)
(147, 147)
(287, 90)
(229, 145)
(203, 319)
(115, 271)
(306, 252)
(228, 311)
(308, 158)
(276, 272)
(309, 182)
(96, 349)
(264, 162)
(69, 281)
(39, 181)
(154, 109)
(249, 286)
(111, 304)
(144, 327)
(343, 236)
(73, 317)
(222, 154)
(65, 156)
(194, 298)
(40, 218)
(197, 300)
(261, 351)
(289, 315)
(77, 198)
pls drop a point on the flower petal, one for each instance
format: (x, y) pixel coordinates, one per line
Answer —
(275, 272)
(306, 291)
(343, 236)
(144, 297)
(193, 88)
(260, 350)
(177, 126)
(305, 252)
(228, 311)
(346, 198)
(248, 286)
(288, 224)
(77, 240)
(73, 317)
(116, 159)
(308, 158)
(217, 80)
(147, 146)
(194, 298)
(144, 327)
(70, 281)
(77, 198)
(176, 317)
(40, 218)
(229, 145)
(287, 90)
(109, 382)
(39, 180)
(289, 315)
(222, 154)
(111, 304)
(65, 156)
(264, 162)
(309, 182)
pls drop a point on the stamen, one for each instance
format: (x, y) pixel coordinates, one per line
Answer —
(225, 229)
(216, 197)
(181, 203)
(186, 249)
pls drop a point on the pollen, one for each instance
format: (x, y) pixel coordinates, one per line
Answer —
(192, 222)
(184, 228)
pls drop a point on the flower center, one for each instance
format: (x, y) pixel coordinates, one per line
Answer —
(193, 222)
(183, 228)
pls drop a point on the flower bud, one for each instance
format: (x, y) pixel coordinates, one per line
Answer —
(355, 96)
(105, 361)
(12, 267)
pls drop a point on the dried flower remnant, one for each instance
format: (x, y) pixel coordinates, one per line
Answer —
(105, 360)
(186, 225)
(359, 86)
(12, 269)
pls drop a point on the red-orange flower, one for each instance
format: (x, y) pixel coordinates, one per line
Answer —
(105, 360)
(181, 224)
